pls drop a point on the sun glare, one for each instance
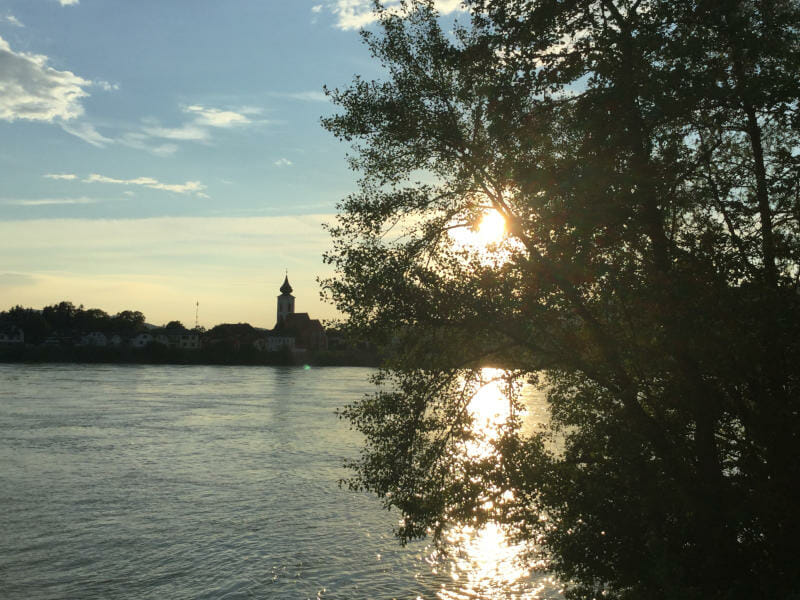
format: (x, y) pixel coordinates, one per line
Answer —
(485, 561)
(492, 227)
(490, 230)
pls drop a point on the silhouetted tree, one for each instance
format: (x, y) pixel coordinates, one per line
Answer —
(61, 315)
(32, 323)
(93, 319)
(644, 157)
(128, 320)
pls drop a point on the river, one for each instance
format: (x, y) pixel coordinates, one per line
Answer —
(171, 482)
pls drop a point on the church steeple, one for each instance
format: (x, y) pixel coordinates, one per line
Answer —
(286, 288)
(285, 301)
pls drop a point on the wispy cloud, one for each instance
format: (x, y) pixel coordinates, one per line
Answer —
(11, 20)
(215, 117)
(196, 188)
(190, 187)
(185, 133)
(32, 90)
(11, 280)
(142, 141)
(107, 86)
(307, 96)
(69, 2)
(316, 8)
(355, 14)
(88, 133)
(50, 201)
(199, 129)
(283, 162)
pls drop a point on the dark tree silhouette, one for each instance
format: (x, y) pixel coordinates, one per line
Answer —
(644, 157)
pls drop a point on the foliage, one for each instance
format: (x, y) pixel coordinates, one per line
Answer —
(644, 155)
(65, 317)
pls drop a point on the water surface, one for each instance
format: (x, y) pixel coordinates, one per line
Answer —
(205, 482)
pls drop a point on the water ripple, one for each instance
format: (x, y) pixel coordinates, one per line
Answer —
(150, 482)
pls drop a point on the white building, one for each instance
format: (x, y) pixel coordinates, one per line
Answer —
(11, 335)
(188, 340)
(95, 338)
(141, 340)
(274, 343)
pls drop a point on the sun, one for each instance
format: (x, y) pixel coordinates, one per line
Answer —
(492, 227)
(488, 231)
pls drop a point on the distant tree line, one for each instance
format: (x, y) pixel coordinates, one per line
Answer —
(65, 316)
(226, 343)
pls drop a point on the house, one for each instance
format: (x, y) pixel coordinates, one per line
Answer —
(141, 340)
(11, 335)
(187, 340)
(95, 338)
(176, 337)
(59, 339)
(274, 343)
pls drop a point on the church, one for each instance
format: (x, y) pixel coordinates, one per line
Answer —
(297, 331)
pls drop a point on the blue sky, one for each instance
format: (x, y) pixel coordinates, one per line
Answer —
(161, 152)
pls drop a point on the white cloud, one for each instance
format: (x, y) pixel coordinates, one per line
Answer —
(197, 130)
(186, 133)
(66, 176)
(214, 117)
(316, 8)
(283, 162)
(88, 133)
(355, 14)
(12, 20)
(140, 141)
(107, 86)
(309, 96)
(190, 187)
(69, 2)
(50, 201)
(31, 90)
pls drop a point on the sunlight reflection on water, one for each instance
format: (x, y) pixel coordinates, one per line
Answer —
(484, 563)
(155, 482)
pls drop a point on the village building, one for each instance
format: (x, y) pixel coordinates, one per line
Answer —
(95, 338)
(11, 336)
(296, 331)
(141, 340)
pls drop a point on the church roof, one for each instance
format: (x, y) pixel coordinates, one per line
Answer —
(286, 288)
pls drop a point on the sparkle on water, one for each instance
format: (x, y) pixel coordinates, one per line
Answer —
(485, 563)
(154, 482)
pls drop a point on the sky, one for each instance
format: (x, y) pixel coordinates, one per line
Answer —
(159, 153)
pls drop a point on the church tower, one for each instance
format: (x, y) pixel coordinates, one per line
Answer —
(285, 302)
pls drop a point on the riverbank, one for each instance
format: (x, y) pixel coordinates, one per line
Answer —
(157, 354)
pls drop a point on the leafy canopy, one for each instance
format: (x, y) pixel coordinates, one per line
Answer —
(644, 156)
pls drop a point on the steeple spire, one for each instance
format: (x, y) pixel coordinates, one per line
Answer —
(286, 288)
